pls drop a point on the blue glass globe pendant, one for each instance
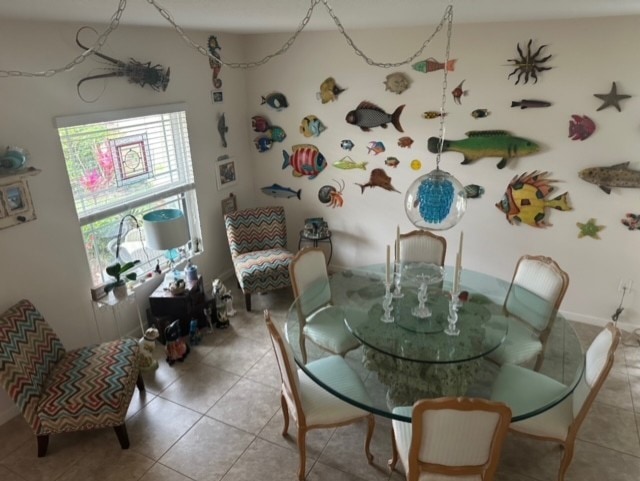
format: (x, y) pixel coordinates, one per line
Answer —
(435, 201)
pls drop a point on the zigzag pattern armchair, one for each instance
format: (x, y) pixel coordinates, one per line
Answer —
(257, 240)
(60, 391)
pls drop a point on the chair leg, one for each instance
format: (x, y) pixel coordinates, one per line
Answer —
(123, 437)
(43, 444)
(247, 302)
(140, 383)
(394, 452)
(371, 424)
(285, 414)
(302, 448)
(566, 460)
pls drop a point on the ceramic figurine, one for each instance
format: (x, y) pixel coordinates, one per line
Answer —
(331, 196)
(530, 104)
(278, 191)
(528, 65)
(367, 115)
(618, 175)
(581, 127)
(347, 163)
(375, 146)
(405, 142)
(223, 304)
(306, 159)
(147, 345)
(480, 113)
(259, 123)
(329, 90)
(311, 126)
(275, 100)
(262, 143)
(457, 93)
(397, 82)
(432, 65)
(631, 221)
(524, 200)
(611, 99)
(378, 178)
(175, 347)
(486, 143)
(346, 144)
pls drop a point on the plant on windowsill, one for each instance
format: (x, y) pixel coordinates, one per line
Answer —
(118, 272)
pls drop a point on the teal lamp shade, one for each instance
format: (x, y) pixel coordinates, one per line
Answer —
(165, 229)
(435, 201)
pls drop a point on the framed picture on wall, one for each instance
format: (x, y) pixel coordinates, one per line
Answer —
(226, 173)
(15, 204)
(229, 204)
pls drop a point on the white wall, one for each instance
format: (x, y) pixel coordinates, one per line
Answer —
(44, 260)
(587, 56)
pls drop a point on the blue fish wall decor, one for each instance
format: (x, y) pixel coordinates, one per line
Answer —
(278, 191)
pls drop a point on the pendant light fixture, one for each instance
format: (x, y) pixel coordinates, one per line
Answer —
(437, 201)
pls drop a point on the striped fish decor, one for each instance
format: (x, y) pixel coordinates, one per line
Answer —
(305, 159)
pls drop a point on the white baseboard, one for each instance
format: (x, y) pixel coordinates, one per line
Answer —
(596, 321)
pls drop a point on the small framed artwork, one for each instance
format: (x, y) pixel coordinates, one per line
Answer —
(226, 173)
(216, 96)
(229, 204)
(15, 204)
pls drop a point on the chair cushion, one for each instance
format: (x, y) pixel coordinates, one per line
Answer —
(90, 387)
(322, 407)
(525, 390)
(263, 270)
(326, 329)
(402, 432)
(520, 345)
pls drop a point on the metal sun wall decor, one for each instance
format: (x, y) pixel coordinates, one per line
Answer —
(524, 200)
(486, 143)
(528, 65)
(136, 72)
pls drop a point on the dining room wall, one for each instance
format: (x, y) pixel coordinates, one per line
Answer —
(587, 55)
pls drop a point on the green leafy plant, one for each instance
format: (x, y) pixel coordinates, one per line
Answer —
(117, 271)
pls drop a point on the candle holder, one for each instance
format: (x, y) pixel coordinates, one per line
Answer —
(397, 279)
(386, 304)
(454, 305)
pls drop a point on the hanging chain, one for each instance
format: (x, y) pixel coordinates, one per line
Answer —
(115, 21)
(443, 101)
(97, 45)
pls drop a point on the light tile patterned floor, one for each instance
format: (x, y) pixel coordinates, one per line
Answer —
(217, 417)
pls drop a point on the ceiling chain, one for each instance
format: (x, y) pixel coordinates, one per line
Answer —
(115, 22)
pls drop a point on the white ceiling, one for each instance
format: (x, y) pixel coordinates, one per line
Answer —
(259, 16)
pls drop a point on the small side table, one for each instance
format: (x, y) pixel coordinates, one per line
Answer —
(315, 239)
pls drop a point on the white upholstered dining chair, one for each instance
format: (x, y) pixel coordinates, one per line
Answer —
(531, 317)
(561, 423)
(310, 405)
(422, 246)
(320, 322)
(450, 438)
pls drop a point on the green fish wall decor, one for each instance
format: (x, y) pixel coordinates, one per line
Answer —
(486, 143)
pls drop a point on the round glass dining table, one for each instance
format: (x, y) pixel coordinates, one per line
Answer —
(406, 355)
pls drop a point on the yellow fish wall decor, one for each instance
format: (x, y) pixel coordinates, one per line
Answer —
(524, 200)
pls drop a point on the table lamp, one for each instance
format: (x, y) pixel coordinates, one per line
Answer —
(166, 229)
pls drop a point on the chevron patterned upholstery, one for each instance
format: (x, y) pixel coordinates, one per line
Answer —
(57, 390)
(257, 240)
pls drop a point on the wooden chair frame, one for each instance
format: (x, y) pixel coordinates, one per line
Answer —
(543, 335)
(569, 442)
(486, 471)
(428, 234)
(290, 399)
(297, 292)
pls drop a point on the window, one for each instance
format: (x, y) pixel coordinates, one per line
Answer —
(121, 165)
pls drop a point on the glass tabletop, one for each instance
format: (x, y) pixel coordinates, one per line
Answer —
(403, 361)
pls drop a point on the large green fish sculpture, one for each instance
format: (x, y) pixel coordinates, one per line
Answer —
(486, 143)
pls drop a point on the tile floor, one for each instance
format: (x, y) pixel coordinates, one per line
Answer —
(217, 417)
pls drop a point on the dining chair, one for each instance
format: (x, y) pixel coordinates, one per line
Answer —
(518, 385)
(422, 246)
(311, 406)
(61, 391)
(450, 438)
(320, 322)
(258, 244)
(531, 317)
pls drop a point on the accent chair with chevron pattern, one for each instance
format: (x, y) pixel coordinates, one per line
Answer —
(61, 391)
(258, 243)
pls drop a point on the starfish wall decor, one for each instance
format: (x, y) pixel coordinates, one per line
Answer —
(589, 229)
(612, 99)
